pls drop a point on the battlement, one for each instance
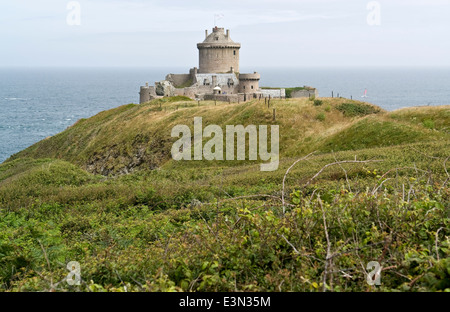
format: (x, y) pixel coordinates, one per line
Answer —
(254, 76)
(218, 29)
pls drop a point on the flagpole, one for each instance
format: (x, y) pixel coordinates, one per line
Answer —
(216, 17)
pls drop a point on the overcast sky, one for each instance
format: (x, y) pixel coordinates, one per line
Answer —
(295, 33)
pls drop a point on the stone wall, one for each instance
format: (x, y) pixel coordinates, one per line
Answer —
(273, 93)
(189, 92)
(305, 93)
(179, 79)
(231, 98)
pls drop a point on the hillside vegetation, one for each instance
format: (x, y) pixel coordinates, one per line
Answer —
(355, 184)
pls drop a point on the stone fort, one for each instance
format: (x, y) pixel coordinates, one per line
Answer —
(217, 77)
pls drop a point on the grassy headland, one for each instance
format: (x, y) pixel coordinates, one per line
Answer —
(106, 193)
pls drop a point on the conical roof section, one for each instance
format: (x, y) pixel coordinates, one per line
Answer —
(219, 38)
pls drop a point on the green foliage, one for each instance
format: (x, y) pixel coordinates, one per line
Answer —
(172, 99)
(433, 117)
(352, 109)
(138, 137)
(239, 245)
(43, 172)
(369, 133)
(320, 117)
(318, 102)
(214, 226)
(428, 123)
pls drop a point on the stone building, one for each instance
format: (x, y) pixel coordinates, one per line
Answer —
(216, 78)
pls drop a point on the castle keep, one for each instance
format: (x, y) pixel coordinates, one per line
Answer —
(216, 78)
(218, 53)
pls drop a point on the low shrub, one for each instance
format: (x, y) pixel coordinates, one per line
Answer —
(318, 102)
(428, 123)
(320, 117)
(357, 109)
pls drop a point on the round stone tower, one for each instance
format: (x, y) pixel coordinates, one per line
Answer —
(144, 94)
(218, 53)
(249, 83)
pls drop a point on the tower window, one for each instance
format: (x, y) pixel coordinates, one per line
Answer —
(234, 52)
(252, 87)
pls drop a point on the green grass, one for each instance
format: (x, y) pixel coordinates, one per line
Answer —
(221, 226)
(372, 132)
(173, 99)
(429, 117)
(357, 109)
(138, 137)
(29, 172)
(320, 117)
(428, 123)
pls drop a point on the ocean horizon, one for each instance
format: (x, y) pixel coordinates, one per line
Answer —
(39, 102)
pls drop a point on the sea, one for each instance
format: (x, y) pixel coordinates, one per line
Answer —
(36, 103)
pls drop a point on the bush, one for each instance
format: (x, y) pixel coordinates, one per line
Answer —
(320, 117)
(428, 123)
(318, 102)
(357, 109)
